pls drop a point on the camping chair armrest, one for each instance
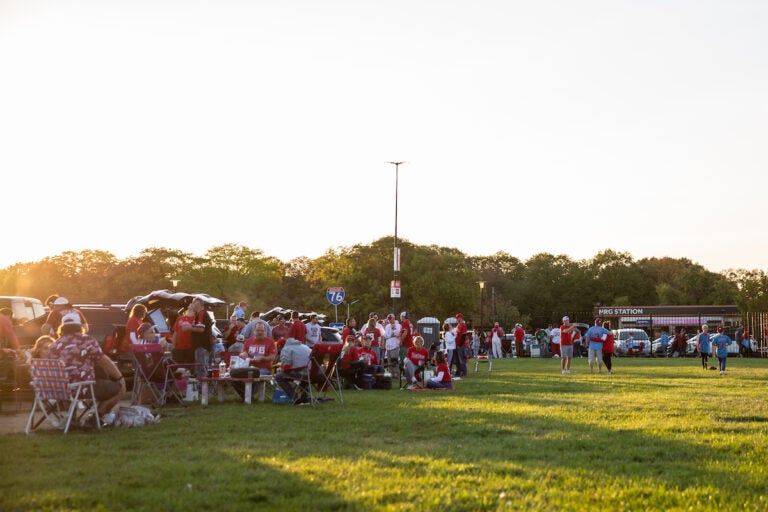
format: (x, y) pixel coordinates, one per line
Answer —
(74, 385)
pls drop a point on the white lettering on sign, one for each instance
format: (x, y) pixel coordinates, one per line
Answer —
(620, 311)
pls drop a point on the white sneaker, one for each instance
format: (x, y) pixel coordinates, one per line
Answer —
(457, 378)
(410, 387)
(722, 373)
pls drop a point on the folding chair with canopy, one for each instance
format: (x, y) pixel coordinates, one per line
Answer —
(56, 399)
(156, 372)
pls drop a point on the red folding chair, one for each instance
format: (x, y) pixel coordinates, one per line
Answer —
(323, 372)
(156, 372)
(56, 399)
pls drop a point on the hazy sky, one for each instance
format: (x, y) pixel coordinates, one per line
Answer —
(565, 127)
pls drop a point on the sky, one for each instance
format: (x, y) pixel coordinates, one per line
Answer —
(565, 127)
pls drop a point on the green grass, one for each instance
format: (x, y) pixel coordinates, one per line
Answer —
(656, 435)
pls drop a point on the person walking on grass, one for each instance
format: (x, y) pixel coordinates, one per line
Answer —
(721, 342)
(702, 345)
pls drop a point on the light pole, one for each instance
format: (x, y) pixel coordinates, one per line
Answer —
(482, 285)
(175, 283)
(396, 251)
(349, 304)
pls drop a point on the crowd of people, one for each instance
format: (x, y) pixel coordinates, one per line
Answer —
(390, 346)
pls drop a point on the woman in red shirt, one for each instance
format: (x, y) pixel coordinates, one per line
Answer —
(443, 377)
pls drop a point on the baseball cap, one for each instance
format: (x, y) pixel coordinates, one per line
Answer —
(61, 301)
(70, 319)
(566, 319)
(598, 321)
(459, 315)
(146, 326)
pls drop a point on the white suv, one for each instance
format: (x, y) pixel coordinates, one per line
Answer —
(632, 342)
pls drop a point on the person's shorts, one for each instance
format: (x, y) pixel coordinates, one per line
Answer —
(393, 354)
(566, 350)
(595, 355)
(104, 389)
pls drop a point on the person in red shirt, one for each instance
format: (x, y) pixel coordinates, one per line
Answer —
(182, 338)
(8, 333)
(260, 349)
(566, 345)
(136, 318)
(406, 333)
(375, 332)
(280, 331)
(352, 362)
(519, 339)
(262, 352)
(442, 378)
(298, 330)
(460, 354)
(415, 360)
(349, 329)
(608, 348)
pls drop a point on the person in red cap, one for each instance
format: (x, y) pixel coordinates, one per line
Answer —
(460, 354)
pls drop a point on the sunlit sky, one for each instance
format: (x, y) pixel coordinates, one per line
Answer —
(566, 127)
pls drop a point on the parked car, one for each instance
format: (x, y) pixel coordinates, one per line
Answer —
(29, 315)
(632, 342)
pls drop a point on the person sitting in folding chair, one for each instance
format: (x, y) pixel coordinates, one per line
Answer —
(352, 363)
(82, 356)
(294, 362)
(415, 360)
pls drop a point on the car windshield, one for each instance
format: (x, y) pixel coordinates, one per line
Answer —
(639, 335)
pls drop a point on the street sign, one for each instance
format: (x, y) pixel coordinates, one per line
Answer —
(335, 295)
(395, 290)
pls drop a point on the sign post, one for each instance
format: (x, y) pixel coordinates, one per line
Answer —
(335, 296)
(394, 291)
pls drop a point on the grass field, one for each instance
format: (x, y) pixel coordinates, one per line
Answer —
(659, 434)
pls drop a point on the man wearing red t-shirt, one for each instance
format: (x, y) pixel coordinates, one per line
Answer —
(566, 345)
(519, 339)
(415, 360)
(460, 354)
(298, 330)
(260, 349)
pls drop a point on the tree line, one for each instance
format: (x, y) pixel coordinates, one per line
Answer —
(436, 281)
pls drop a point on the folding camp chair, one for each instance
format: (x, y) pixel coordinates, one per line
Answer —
(323, 372)
(484, 355)
(156, 372)
(56, 399)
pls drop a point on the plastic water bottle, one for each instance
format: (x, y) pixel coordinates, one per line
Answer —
(222, 369)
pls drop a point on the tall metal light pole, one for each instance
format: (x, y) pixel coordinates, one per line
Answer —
(396, 252)
(482, 285)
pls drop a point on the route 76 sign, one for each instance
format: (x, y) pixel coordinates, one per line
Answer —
(335, 295)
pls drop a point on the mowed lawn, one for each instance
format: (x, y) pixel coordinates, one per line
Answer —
(659, 434)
